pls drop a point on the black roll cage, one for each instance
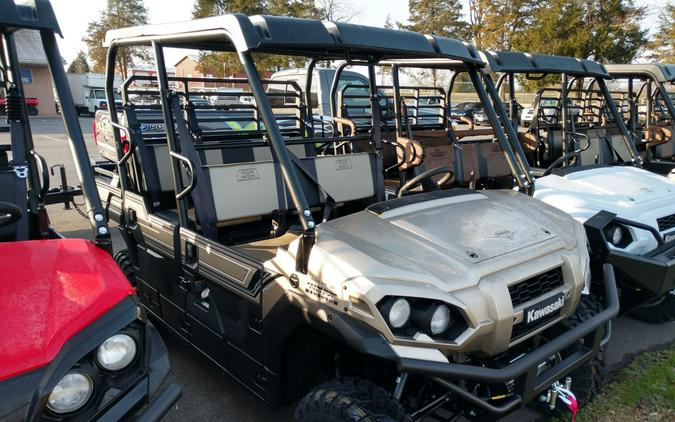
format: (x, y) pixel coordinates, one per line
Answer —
(39, 16)
(566, 67)
(653, 87)
(489, 98)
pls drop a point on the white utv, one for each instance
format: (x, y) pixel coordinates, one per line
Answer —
(273, 253)
(587, 165)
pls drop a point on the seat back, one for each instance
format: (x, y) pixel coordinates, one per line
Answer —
(256, 189)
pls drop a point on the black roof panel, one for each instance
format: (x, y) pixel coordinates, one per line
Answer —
(516, 62)
(294, 36)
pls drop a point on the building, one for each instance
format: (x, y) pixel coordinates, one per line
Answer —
(187, 67)
(37, 80)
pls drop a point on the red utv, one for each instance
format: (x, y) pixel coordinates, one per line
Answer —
(75, 344)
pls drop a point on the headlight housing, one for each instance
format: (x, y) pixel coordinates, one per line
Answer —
(618, 235)
(397, 312)
(71, 393)
(117, 352)
(409, 316)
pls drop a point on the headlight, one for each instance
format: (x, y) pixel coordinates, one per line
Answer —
(618, 235)
(434, 317)
(440, 320)
(117, 352)
(71, 393)
(397, 312)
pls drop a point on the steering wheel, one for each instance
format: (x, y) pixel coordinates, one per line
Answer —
(424, 179)
(9, 214)
(576, 153)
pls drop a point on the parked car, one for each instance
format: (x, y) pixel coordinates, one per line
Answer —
(226, 96)
(466, 109)
(274, 254)
(481, 118)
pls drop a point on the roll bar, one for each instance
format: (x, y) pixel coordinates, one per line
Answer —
(39, 16)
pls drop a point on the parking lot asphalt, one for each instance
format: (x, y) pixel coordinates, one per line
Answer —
(209, 394)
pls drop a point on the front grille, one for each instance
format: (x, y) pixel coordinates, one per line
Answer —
(522, 329)
(536, 286)
(665, 223)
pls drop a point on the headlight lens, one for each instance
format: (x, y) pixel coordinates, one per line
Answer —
(440, 320)
(399, 313)
(117, 352)
(618, 235)
(71, 393)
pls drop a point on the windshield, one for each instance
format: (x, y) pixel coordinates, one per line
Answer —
(99, 94)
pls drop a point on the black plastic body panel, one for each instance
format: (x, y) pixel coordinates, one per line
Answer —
(653, 272)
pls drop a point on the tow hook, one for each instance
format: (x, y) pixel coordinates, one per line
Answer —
(562, 396)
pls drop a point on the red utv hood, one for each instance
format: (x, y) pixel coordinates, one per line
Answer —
(49, 291)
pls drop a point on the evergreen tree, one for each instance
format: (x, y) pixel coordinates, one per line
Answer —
(437, 17)
(602, 30)
(117, 14)
(79, 64)
(505, 22)
(227, 63)
(662, 46)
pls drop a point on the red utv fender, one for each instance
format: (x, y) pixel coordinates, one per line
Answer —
(51, 290)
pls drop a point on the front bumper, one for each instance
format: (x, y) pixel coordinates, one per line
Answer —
(653, 272)
(525, 371)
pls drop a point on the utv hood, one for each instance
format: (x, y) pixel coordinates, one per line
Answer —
(625, 191)
(51, 289)
(439, 235)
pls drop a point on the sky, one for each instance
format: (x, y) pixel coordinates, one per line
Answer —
(74, 16)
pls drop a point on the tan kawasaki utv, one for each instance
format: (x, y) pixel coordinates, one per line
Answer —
(272, 251)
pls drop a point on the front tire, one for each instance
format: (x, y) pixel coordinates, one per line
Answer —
(126, 265)
(349, 400)
(658, 311)
(589, 379)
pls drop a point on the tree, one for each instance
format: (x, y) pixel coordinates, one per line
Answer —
(436, 17)
(385, 71)
(227, 63)
(117, 14)
(662, 46)
(79, 64)
(602, 30)
(501, 23)
(336, 11)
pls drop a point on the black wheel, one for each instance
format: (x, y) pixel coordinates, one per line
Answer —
(32, 111)
(9, 214)
(349, 400)
(658, 311)
(589, 379)
(126, 265)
